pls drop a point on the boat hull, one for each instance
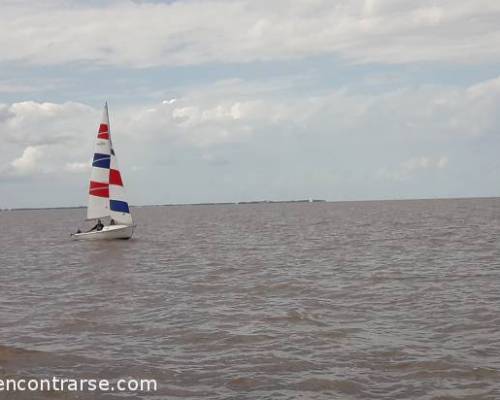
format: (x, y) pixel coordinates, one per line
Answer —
(109, 232)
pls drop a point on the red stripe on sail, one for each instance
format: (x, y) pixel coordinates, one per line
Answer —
(115, 177)
(99, 189)
(103, 132)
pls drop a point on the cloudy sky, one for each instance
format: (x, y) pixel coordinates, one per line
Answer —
(230, 100)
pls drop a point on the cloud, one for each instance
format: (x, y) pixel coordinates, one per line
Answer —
(77, 167)
(199, 119)
(28, 162)
(51, 138)
(34, 123)
(407, 169)
(323, 143)
(9, 87)
(181, 33)
(239, 112)
(442, 162)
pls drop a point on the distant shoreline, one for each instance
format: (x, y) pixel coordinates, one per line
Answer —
(173, 204)
(254, 202)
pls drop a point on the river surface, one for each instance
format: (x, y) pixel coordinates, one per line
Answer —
(358, 300)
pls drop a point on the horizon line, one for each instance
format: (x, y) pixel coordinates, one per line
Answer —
(253, 202)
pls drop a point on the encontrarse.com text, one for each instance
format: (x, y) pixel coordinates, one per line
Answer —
(58, 384)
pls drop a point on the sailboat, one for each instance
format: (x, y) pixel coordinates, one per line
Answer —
(107, 200)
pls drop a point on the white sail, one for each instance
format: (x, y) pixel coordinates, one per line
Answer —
(106, 192)
(119, 209)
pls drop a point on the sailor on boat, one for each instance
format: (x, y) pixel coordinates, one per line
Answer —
(98, 226)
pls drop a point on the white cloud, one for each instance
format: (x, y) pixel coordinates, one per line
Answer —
(238, 111)
(258, 136)
(77, 167)
(28, 162)
(442, 162)
(194, 32)
(408, 168)
(49, 136)
(34, 123)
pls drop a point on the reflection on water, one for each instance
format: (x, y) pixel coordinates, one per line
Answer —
(373, 300)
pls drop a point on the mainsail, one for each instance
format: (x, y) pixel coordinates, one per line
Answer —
(106, 192)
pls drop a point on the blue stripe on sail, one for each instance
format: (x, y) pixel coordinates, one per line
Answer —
(119, 206)
(101, 160)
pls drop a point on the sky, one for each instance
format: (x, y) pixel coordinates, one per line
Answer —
(238, 100)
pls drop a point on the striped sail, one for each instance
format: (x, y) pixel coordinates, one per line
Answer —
(117, 200)
(106, 192)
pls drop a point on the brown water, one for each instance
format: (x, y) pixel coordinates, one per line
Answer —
(372, 300)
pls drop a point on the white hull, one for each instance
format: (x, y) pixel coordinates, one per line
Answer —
(107, 233)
